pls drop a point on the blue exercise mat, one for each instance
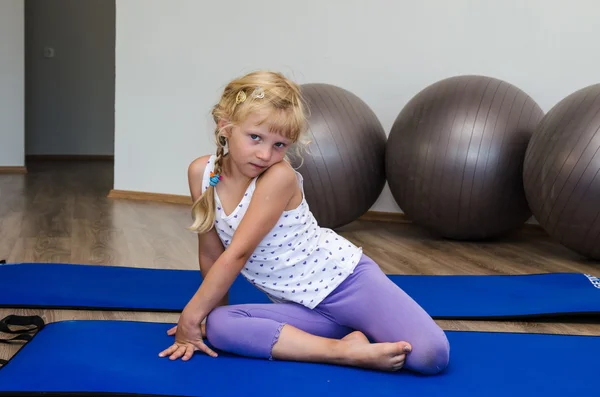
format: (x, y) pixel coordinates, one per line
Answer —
(122, 357)
(80, 286)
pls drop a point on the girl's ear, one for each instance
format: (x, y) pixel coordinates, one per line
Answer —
(226, 132)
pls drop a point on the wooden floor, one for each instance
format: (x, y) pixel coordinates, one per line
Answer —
(59, 212)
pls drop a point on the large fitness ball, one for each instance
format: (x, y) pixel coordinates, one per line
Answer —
(562, 172)
(455, 156)
(344, 169)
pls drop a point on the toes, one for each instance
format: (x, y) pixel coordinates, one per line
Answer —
(405, 347)
(398, 359)
(400, 348)
(398, 366)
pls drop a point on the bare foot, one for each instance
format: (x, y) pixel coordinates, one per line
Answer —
(358, 351)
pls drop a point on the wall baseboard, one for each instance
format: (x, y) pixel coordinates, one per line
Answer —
(144, 196)
(13, 170)
(70, 157)
(379, 216)
(373, 216)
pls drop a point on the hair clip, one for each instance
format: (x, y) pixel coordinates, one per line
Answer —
(258, 93)
(214, 179)
(241, 97)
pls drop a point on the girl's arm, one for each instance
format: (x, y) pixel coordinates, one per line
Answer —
(210, 246)
(274, 190)
(210, 249)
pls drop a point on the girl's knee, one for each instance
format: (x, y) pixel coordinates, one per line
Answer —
(430, 356)
(217, 325)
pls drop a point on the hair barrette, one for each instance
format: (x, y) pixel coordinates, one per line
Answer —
(258, 93)
(214, 179)
(241, 97)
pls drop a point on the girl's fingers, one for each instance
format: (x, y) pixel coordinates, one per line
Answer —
(186, 351)
(202, 347)
(172, 331)
(168, 351)
(189, 352)
(179, 352)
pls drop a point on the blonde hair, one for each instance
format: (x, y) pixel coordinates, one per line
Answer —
(254, 92)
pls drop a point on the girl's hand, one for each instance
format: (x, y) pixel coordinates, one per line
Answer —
(173, 330)
(188, 339)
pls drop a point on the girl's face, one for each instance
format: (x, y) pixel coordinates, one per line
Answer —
(253, 148)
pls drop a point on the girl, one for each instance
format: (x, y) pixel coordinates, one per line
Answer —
(251, 217)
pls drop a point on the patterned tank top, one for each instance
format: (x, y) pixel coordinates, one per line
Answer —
(297, 261)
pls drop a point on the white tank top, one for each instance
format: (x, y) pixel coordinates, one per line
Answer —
(298, 260)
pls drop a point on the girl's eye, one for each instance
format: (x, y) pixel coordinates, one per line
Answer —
(280, 144)
(253, 136)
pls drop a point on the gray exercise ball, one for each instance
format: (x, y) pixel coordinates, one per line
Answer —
(344, 169)
(455, 155)
(561, 172)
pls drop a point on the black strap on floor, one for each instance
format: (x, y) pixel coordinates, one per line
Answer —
(24, 334)
(33, 322)
(18, 338)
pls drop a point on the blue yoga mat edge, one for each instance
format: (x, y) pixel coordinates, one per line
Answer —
(188, 271)
(103, 287)
(60, 331)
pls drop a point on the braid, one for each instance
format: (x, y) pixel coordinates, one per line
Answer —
(203, 210)
(220, 155)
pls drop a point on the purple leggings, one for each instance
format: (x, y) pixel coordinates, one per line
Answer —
(367, 301)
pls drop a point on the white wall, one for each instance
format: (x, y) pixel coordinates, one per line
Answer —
(12, 91)
(173, 58)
